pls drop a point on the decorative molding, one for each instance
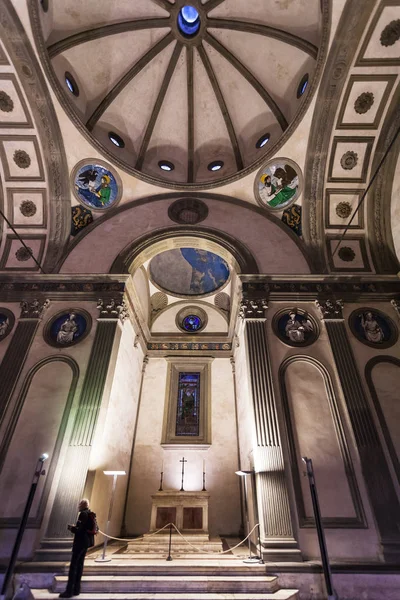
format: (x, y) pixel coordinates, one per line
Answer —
(113, 309)
(343, 209)
(359, 520)
(330, 309)
(360, 250)
(377, 476)
(253, 309)
(365, 101)
(7, 123)
(350, 159)
(33, 309)
(203, 346)
(37, 252)
(21, 158)
(36, 521)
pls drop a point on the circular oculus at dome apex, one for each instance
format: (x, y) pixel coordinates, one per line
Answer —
(188, 21)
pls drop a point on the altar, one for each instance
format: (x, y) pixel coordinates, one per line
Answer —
(187, 510)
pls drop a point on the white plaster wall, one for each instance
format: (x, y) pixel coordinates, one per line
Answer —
(114, 436)
(386, 380)
(220, 459)
(346, 544)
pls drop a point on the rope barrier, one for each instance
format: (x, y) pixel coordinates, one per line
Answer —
(133, 541)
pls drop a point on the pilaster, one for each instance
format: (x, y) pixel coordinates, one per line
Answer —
(277, 536)
(383, 498)
(17, 351)
(75, 469)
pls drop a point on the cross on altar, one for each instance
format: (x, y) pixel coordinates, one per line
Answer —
(183, 461)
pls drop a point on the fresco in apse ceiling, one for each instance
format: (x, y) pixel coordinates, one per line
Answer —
(188, 271)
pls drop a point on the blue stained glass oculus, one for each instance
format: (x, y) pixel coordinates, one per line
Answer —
(188, 405)
(188, 20)
(192, 323)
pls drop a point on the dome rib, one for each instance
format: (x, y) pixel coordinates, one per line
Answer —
(123, 82)
(266, 30)
(211, 4)
(244, 71)
(222, 105)
(95, 33)
(190, 95)
(158, 104)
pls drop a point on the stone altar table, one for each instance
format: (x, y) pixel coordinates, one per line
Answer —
(187, 510)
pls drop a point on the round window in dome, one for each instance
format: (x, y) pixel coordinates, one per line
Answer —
(116, 139)
(188, 20)
(192, 323)
(302, 85)
(71, 84)
(263, 140)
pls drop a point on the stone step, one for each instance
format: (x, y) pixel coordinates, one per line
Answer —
(172, 584)
(40, 594)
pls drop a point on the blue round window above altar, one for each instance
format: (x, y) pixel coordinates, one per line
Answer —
(192, 323)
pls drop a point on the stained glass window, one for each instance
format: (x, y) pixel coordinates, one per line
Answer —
(192, 323)
(188, 405)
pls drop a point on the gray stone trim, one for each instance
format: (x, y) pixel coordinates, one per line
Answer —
(382, 494)
(14, 360)
(349, 30)
(359, 521)
(74, 473)
(362, 251)
(368, 140)
(273, 497)
(36, 521)
(375, 398)
(377, 62)
(379, 197)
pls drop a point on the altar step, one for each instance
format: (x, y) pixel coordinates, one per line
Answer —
(279, 595)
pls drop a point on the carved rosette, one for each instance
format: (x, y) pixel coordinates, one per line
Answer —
(330, 309)
(33, 309)
(346, 254)
(113, 309)
(253, 309)
(391, 33)
(363, 103)
(349, 160)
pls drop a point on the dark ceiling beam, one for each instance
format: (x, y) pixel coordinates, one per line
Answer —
(158, 104)
(98, 32)
(164, 4)
(131, 74)
(271, 32)
(257, 85)
(211, 4)
(222, 105)
(190, 97)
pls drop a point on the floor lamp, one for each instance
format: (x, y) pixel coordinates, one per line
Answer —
(251, 559)
(115, 474)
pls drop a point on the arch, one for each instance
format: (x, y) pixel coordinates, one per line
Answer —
(356, 521)
(236, 224)
(36, 521)
(378, 406)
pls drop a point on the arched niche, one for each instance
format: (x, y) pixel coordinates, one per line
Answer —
(314, 429)
(382, 374)
(37, 424)
(249, 233)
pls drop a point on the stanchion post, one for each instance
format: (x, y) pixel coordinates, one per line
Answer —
(169, 558)
(261, 561)
(320, 530)
(115, 477)
(14, 554)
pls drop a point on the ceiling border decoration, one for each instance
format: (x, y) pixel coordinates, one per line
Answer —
(23, 57)
(34, 7)
(349, 30)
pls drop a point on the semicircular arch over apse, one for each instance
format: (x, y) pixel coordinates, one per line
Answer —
(112, 243)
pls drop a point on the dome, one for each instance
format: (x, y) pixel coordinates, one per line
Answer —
(185, 93)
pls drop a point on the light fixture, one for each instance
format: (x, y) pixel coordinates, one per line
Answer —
(264, 139)
(251, 559)
(302, 85)
(44, 456)
(115, 475)
(114, 472)
(188, 21)
(116, 139)
(71, 83)
(165, 165)
(216, 165)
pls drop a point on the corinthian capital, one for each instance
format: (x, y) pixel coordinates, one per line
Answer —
(33, 309)
(253, 309)
(113, 309)
(330, 309)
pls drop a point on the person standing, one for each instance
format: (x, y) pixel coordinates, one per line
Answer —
(83, 539)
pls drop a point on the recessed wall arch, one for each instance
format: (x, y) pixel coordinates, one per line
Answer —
(36, 521)
(237, 222)
(295, 423)
(380, 408)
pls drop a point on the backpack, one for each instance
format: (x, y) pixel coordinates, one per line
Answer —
(92, 527)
